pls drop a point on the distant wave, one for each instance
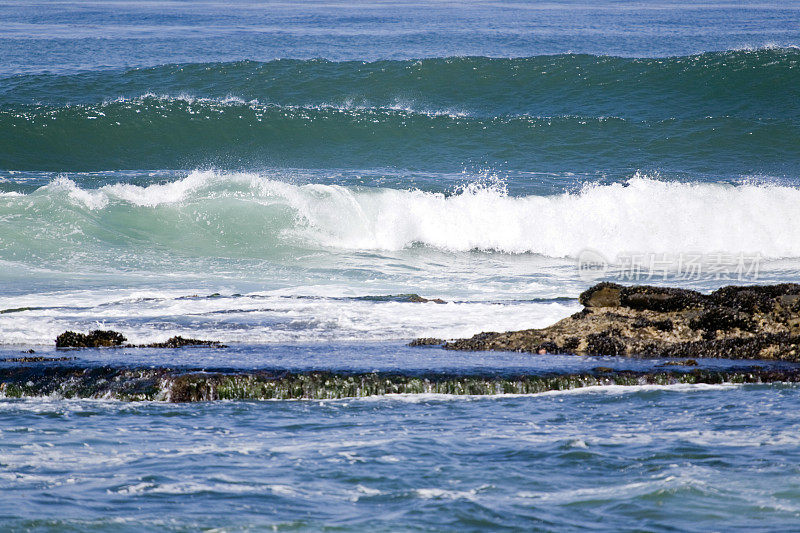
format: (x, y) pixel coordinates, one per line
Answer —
(747, 78)
(158, 131)
(247, 212)
(734, 112)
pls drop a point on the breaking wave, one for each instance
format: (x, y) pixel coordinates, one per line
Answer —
(249, 213)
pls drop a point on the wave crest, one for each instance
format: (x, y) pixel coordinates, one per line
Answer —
(249, 211)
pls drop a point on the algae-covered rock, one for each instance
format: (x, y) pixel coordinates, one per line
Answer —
(165, 384)
(180, 342)
(748, 322)
(94, 339)
(108, 338)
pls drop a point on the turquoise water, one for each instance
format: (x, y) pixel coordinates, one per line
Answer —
(284, 177)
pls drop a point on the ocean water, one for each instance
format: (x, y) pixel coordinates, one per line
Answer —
(285, 177)
(630, 458)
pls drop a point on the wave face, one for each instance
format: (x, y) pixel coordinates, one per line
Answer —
(250, 215)
(734, 112)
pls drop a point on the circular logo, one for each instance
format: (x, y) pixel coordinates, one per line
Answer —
(592, 265)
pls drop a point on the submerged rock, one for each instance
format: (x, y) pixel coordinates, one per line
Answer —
(686, 362)
(749, 322)
(416, 298)
(406, 298)
(165, 384)
(94, 339)
(35, 359)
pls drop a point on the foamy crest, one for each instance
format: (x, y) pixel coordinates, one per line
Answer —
(643, 215)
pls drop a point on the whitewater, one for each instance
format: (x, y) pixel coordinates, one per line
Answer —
(206, 208)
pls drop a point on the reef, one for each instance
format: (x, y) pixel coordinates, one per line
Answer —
(175, 385)
(734, 322)
(110, 338)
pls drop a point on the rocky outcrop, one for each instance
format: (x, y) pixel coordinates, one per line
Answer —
(109, 338)
(737, 322)
(94, 339)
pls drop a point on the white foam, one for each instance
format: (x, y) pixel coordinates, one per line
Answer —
(148, 316)
(641, 216)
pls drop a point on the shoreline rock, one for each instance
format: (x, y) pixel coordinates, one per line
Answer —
(734, 322)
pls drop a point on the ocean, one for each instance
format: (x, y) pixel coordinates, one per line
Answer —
(316, 184)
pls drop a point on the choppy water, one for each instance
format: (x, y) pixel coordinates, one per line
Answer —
(691, 458)
(284, 177)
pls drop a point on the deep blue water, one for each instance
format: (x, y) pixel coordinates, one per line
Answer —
(653, 459)
(283, 176)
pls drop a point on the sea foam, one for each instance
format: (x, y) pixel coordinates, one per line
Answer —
(641, 215)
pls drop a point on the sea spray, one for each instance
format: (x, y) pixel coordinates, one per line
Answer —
(248, 213)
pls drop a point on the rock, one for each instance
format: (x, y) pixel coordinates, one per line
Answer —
(180, 342)
(406, 298)
(602, 295)
(661, 299)
(94, 339)
(36, 359)
(135, 383)
(687, 362)
(109, 338)
(426, 341)
(752, 322)
(416, 298)
(604, 343)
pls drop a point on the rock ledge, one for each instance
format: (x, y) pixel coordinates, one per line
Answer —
(735, 322)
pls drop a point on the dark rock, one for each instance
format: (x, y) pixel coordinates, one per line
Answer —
(38, 359)
(180, 342)
(723, 319)
(416, 298)
(110, 338)
(639, 297)
(547, 347)
(604, 344)
(571, 344)
(757, 322)
(661, 299)
(757, 298)
(94, 339)
(426, 341)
